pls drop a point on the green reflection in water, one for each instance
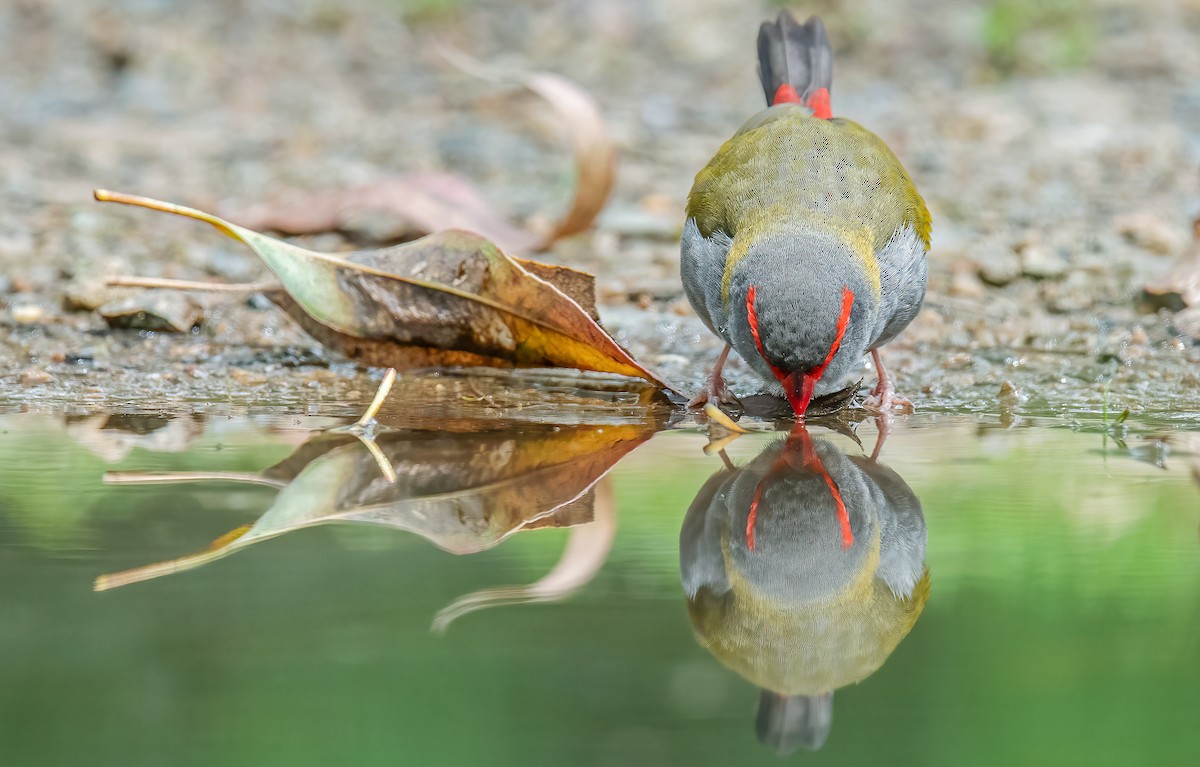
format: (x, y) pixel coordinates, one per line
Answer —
(1061, 626)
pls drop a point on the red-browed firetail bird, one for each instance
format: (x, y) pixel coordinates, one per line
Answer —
(805, 242)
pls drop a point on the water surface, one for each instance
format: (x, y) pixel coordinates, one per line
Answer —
(521, 593)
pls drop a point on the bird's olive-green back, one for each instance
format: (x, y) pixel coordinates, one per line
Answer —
(785, 168)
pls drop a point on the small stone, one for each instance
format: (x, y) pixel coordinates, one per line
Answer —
(163, 311)
(966, 285)
(245, 377)
(958, 361)
(35, 377)
(1187, 322)
(1043, 263)
(998, 264)
(85, 296)
(1150, 231)
(1009, 396)
(28, 314)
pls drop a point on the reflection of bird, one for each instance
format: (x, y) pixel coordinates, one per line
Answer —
(803, 570)
(805, 242)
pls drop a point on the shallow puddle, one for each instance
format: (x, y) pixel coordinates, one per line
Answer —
(981, 594)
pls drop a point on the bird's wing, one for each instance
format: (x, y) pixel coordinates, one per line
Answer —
(899, 226)
(903, 275)
(701, 564)
(702, 264)
(902, 531)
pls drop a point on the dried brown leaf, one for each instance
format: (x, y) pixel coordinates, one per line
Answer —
(395, 208)
(449, 299)
(408, 206)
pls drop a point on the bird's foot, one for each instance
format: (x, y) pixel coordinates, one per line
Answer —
(883, 400)
(717, 392)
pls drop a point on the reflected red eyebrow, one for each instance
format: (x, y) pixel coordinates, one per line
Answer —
(799, 437)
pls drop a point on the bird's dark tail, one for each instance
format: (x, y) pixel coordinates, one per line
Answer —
(795, 63)
(787, 723)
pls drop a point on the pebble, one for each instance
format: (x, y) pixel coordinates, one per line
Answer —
(85, 296)
(958, 361)
(162, 311)
(245, 377)
(35, 377)
(998, 262)
(966, 285)
(1042, 263)
(28, 314)
(1151, 232)
(1009, 395)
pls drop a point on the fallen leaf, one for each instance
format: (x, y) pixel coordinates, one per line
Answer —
(595, 152)
(448, 299)
(113, 437)
(396, 208)
(408, 206)
(585, 553)
(464, 492)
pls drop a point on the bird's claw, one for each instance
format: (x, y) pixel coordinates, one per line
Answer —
(716, 392)
(883, 401)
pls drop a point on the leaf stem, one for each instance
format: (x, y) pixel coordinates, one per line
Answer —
(105, 195)
(131, 281)
(177, 477)
(385, 387)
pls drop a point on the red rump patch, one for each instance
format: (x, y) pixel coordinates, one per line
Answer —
(819, 103)
(786, 94)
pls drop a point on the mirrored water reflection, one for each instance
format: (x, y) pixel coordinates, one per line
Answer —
(803, 570)
(1062, 627)
(462, 491)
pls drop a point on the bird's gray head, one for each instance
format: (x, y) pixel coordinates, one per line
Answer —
(801, 309)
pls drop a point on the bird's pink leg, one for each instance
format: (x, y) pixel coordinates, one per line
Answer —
(883, 427)
(883, 397)
(715, 390)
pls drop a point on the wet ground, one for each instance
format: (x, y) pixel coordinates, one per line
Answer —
(983, 594)
(1056, 147)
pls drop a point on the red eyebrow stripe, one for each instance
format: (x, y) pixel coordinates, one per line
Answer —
(842, 325)
(752, 517)
(752, 320)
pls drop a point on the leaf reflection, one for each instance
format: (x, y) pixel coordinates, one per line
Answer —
(464, 492)
(803, 571)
